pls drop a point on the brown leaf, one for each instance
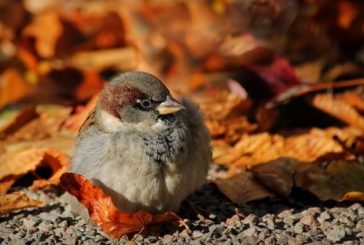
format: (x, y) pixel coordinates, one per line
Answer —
(120, 58)
(75, 121)
(339, 109)
(17, 164)
(23, 117)
(45, 40)
(15, 201)
(353, 99)
(13, 87)
(242, 188)
(254, 149)
(277, 175)
(46, 123)
(102, 211)
(333, 180)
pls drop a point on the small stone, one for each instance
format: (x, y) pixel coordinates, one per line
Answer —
(270, 224)
(130, 243)
(355, 206)
(324, 216)
(212, 216)
(167, 239)
(250, 219)
(285, 213)
(289, 221)
(307, 219)
(336, 234)
(184, 233)
(63, 223)
(298, 228)
(249, 232)
(197, 234)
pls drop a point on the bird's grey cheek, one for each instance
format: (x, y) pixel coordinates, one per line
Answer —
(135, 116)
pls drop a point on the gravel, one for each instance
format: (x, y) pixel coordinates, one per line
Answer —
(211, 217)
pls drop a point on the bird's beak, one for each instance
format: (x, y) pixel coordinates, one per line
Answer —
(169, 106)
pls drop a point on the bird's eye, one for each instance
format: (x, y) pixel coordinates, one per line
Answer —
(145, 104)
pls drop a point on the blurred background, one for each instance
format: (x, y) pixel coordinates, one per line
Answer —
(54, 51)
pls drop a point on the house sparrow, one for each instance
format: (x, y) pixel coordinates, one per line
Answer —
(141, 146)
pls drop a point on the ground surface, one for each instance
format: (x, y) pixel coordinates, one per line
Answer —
(212, 218)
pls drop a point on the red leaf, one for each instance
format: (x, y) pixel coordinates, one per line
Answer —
(102, 211)
(278, 73)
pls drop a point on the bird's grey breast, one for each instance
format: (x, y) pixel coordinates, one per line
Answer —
(167, 145)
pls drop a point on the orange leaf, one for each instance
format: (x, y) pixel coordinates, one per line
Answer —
(17, 164)
(102, 211)
(75, 121)
(45, 40)
(22, 118)
(15, 201)
(339, 109)
(13, 87)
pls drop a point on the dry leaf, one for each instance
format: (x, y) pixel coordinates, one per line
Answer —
(46, 28)
(339, 109)
(13, 87)
(121, 58)
(258, 148)
(23, 117)
(354, 196)
(47, 123)
(242, 188)
(19, 163)
(15, 201)
(353, 99)
(75, 121)
(102, 211)
(278, 175)
(333, 180)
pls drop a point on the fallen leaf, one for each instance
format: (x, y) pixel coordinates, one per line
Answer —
(278, 175)
(339, 109)
(17, 164)
(333, 180)
(75, 121)
(59, 163)
(353, 99)
(353, 196)
(45, 40)
(15, 201)
(120, 58)
(23, 117)
(243, 188)
(102, 211)
(277, 73)
(13, 87)
(253, 149)
(42, 122)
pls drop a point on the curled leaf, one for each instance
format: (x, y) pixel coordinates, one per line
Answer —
(16, 201)
(16, 164)
(102, 211)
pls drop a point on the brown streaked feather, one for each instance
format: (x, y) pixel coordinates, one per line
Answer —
(89, 121)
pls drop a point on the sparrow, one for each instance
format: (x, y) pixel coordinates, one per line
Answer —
(144, 148)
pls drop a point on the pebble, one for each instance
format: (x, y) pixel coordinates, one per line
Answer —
(336, 234)
(324, 216)
(307, 219)
(273, 221)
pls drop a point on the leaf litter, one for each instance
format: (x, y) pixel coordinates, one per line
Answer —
(244, 74)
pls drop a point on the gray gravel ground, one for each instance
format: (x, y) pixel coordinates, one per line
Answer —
(213, 219)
